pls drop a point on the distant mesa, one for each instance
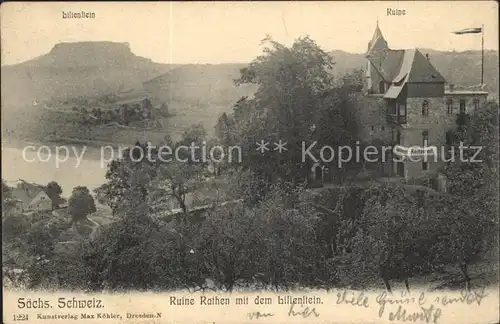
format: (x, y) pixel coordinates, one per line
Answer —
(96, 47)
(76, 69)
(89, 51)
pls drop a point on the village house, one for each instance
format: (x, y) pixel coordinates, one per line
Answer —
(407, 102)
(31, 197)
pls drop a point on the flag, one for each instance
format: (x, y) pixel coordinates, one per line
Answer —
(468, 31)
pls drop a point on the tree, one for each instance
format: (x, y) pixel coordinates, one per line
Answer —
(224, 245)
(124, 113)
(245, 185)
(54, 191)
(158, 180)
(400, 232)
(123, 173)
(472, 180)
(271, 243)
(223, 129)
(138, 251)
(285, 236)
(164, 109)
(296, 93)
(146, 107)
(111, 193)
(181, 175)
(8, 202)
(80, 204)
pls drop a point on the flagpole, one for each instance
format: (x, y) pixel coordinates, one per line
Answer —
(482, 55)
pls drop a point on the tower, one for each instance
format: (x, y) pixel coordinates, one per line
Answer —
(378, 42)
(375, 55)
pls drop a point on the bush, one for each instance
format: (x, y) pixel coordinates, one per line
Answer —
(13, 226)
(401, 234)
(343, 236)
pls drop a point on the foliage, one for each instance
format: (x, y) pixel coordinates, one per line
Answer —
(225, 246)
(472, 178)
(286, 234)
(54, 191)
(404, 233)
(122, 173)
(8, 202)
(14, 225)
(270, 231)
(476, 182)
(159, 177)
(80, 204)
(297, 101)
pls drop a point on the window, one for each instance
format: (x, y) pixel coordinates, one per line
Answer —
(449, 105)
(425, 165)
(393, 108)
(425, 108)
(402, 109)
(383, 128)
(462, 107)
(381, 87)
(476, 104)
(425, 138)
(373, 128)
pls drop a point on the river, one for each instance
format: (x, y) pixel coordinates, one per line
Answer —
(39, 166)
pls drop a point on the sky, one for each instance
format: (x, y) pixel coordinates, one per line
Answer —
(225, 32)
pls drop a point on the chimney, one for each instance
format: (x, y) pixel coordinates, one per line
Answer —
(451, 87)
(427, 57)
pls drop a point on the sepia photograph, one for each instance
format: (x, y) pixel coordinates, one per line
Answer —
(241, 162)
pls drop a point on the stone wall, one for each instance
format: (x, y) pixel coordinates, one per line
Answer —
(469, 101)
(426, 89)
(371, 113)
(437, 123)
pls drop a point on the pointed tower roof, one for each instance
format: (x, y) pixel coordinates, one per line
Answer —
(378, 42)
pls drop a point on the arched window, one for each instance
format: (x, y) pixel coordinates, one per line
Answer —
(425, 108)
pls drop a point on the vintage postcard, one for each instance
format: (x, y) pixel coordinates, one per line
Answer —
(250, 162)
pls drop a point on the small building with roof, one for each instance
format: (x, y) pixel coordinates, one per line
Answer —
(31, 197)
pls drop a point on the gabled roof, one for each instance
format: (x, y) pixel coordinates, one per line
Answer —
(25, 192)
(405, 66)
(423, 71)
(414, 68)
(387, 62)
(394, 91)
(396, 66)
